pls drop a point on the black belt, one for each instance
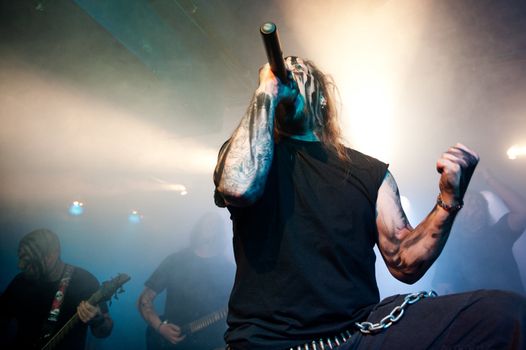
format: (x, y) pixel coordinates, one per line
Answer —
(325, 343)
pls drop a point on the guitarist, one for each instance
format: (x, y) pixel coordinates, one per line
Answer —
(46, 294)
(197, 281)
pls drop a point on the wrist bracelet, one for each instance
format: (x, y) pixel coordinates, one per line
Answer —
(449, 208)
(158, 329)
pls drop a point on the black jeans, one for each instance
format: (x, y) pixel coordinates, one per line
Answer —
(484, 319)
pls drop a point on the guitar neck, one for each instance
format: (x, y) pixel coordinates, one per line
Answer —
(206, 321)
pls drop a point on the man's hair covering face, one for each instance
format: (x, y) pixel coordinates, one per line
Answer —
(41, 242)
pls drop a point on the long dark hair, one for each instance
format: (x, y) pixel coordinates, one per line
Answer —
(324, 108)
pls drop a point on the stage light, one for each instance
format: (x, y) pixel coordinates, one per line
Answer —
(178, 188)
(370, 107)
(76, 208)
(167, 186)
(135, 217)
(516, 151)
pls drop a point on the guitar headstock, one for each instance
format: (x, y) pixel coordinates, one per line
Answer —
(109, 288)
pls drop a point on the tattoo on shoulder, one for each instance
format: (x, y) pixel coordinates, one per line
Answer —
(395, 195)
(391, 182)
(263, 100)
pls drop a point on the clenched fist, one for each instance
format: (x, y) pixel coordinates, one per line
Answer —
(456, 167)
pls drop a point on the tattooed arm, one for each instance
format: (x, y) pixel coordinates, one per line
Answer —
(145, 306)
(169, 331)
(409, 252)
(244, 161)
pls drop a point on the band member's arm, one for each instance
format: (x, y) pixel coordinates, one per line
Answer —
(169, 331)
(407, 251)
(244, 161)
(513, 200)
(100, 322)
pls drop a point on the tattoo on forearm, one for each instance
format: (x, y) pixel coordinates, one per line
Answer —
(413, 240)
(146, 302)
(410, 251)
(146, 306)
(244, 163)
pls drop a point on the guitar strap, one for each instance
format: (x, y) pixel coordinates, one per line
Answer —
(60, 294)
(58, 300)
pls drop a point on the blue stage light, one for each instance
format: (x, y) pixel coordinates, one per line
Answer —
(76, 208)
(135, 217)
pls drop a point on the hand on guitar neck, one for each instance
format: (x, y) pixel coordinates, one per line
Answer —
(88, 312)
(100, 323)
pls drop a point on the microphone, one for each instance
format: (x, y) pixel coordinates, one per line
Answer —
(269, 33)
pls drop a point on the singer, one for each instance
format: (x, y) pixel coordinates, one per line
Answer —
(307, 212)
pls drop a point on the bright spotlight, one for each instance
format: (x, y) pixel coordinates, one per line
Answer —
(135, 217)
(178, 188)
(516, 151)
(167, 186)
(76, 208)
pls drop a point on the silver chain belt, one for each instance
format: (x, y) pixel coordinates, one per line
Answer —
(366, 327)
(395, 315)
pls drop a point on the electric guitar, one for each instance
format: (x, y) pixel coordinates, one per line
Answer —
(104, 293)
(155, 341)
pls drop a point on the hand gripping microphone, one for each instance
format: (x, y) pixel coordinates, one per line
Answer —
(269, 33)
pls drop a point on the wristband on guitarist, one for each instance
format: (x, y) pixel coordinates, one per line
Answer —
(158, 329)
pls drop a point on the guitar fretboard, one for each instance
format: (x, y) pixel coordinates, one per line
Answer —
(206, 321)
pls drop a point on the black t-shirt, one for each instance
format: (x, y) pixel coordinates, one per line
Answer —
(195, 288)
(482, 260)
(28, 302)
(304, 251)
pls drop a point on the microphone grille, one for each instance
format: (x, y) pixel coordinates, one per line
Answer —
(268, 28)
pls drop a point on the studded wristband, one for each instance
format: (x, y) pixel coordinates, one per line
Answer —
(453, 208)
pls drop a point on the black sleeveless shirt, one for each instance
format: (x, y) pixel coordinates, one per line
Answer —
(304, 251)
